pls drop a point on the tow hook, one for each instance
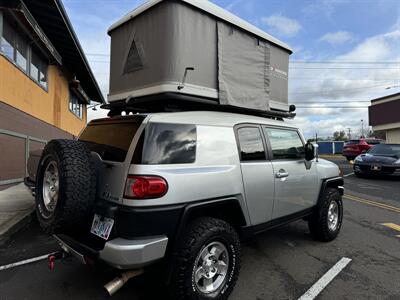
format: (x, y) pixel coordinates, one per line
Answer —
(51, 259)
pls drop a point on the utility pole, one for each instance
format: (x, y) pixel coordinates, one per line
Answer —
(362, 128)
(349, 136)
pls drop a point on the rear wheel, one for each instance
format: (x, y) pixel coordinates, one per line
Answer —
(208, 263)
(65, 185)
(326, 221)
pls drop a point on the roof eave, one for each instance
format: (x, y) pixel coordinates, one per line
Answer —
(68, 24)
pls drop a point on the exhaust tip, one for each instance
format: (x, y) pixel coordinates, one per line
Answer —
(114, 285)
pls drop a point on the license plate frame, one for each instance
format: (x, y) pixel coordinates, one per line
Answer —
(102, 226)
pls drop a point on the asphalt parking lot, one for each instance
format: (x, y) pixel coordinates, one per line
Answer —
(281, 264)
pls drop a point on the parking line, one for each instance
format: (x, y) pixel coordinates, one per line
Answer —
(392, 226)
(325, 279)
(24, 262)
(373, 203)
(352, 173)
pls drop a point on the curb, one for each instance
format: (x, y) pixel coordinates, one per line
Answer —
(16, 224)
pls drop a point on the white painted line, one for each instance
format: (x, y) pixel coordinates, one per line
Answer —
(24, 262)
(352, 173)
(325, 280)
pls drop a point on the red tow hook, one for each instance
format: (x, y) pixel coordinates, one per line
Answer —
(51, 259)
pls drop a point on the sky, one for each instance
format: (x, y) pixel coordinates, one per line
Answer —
(346, 52)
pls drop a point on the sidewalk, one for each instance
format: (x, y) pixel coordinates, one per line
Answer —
(16, 208)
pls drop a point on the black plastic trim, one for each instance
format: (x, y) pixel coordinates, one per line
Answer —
(249, 231)
(336, 182)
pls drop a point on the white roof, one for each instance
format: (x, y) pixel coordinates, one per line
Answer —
(213, 118)
(210, 8)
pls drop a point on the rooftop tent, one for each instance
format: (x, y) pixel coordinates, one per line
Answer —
(194, 49)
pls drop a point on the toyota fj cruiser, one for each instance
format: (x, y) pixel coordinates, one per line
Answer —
(179, 189)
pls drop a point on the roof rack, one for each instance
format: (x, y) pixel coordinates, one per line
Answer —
(174, 102)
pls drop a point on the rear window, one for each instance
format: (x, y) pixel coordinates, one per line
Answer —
(167, 144)
(110, 139)
(352, 142)
(373, 142)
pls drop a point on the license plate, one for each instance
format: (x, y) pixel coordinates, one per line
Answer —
(375, 168)
(102, 226)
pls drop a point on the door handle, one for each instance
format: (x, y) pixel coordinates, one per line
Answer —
(281, 174)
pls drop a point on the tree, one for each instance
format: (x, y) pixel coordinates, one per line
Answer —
(339, 136)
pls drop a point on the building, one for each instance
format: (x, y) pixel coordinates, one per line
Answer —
(45, 81)
(384, 115)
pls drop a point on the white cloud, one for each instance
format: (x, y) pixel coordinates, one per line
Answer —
(337, 38)
(282, 25)
(316, 90)
(325, 7)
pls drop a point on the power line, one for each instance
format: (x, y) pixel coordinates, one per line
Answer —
(341, 90)
(342, 68)
(342, 62)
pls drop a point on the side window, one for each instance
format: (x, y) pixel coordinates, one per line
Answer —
(250, 144)
(169, 144)
(285, 143)
(74, 106)
(133, 61)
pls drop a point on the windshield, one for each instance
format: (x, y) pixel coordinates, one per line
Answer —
(385, 150)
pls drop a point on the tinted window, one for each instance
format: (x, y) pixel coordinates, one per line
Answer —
(250, 144)
(385, 150)
(169, 144)
(111, 140)
(285, 144)
(373, 141)
(352, 142)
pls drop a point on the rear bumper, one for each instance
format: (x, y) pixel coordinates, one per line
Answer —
(119, 253)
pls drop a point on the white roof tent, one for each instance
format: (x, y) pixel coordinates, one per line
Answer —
(192, 52)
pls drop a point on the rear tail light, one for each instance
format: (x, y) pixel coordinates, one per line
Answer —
(145, 187)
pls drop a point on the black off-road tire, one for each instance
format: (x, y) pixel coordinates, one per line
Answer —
(199, 234)
(77, 186)
(318, 222)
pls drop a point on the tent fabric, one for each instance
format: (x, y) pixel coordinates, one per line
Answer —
(150, 52)
(243, 69)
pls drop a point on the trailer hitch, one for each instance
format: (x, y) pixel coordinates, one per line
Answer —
(51, 259)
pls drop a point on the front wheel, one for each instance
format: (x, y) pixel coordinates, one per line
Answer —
(208, 263)
(326, 221)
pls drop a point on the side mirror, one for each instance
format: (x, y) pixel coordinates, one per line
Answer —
(309, 152)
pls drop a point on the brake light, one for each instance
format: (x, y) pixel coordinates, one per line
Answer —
(144, 187)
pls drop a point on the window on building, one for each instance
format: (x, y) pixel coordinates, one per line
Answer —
(19, 48)
(74, 106)
(285, 143)
(250, 144)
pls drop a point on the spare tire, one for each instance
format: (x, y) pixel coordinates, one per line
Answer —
(65, 186)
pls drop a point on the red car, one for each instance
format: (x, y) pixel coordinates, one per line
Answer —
(353, 148)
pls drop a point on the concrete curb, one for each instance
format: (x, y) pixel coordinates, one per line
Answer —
(17, 223)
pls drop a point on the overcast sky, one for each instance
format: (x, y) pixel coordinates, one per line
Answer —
(346, 52)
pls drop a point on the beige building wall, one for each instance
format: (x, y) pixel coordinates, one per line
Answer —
(393, 136)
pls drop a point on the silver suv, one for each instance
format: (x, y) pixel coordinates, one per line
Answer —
(180, 190)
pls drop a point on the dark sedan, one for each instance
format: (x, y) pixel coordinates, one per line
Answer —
(382, 159)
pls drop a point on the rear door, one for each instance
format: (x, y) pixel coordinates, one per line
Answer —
(257, 173)
(112, 142)
(296, 181)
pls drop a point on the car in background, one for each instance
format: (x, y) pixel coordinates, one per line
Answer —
(353, 148)
(382, 159)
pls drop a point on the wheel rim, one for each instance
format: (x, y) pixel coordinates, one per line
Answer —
(211, 267)
(333, 216)
(50, 186)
